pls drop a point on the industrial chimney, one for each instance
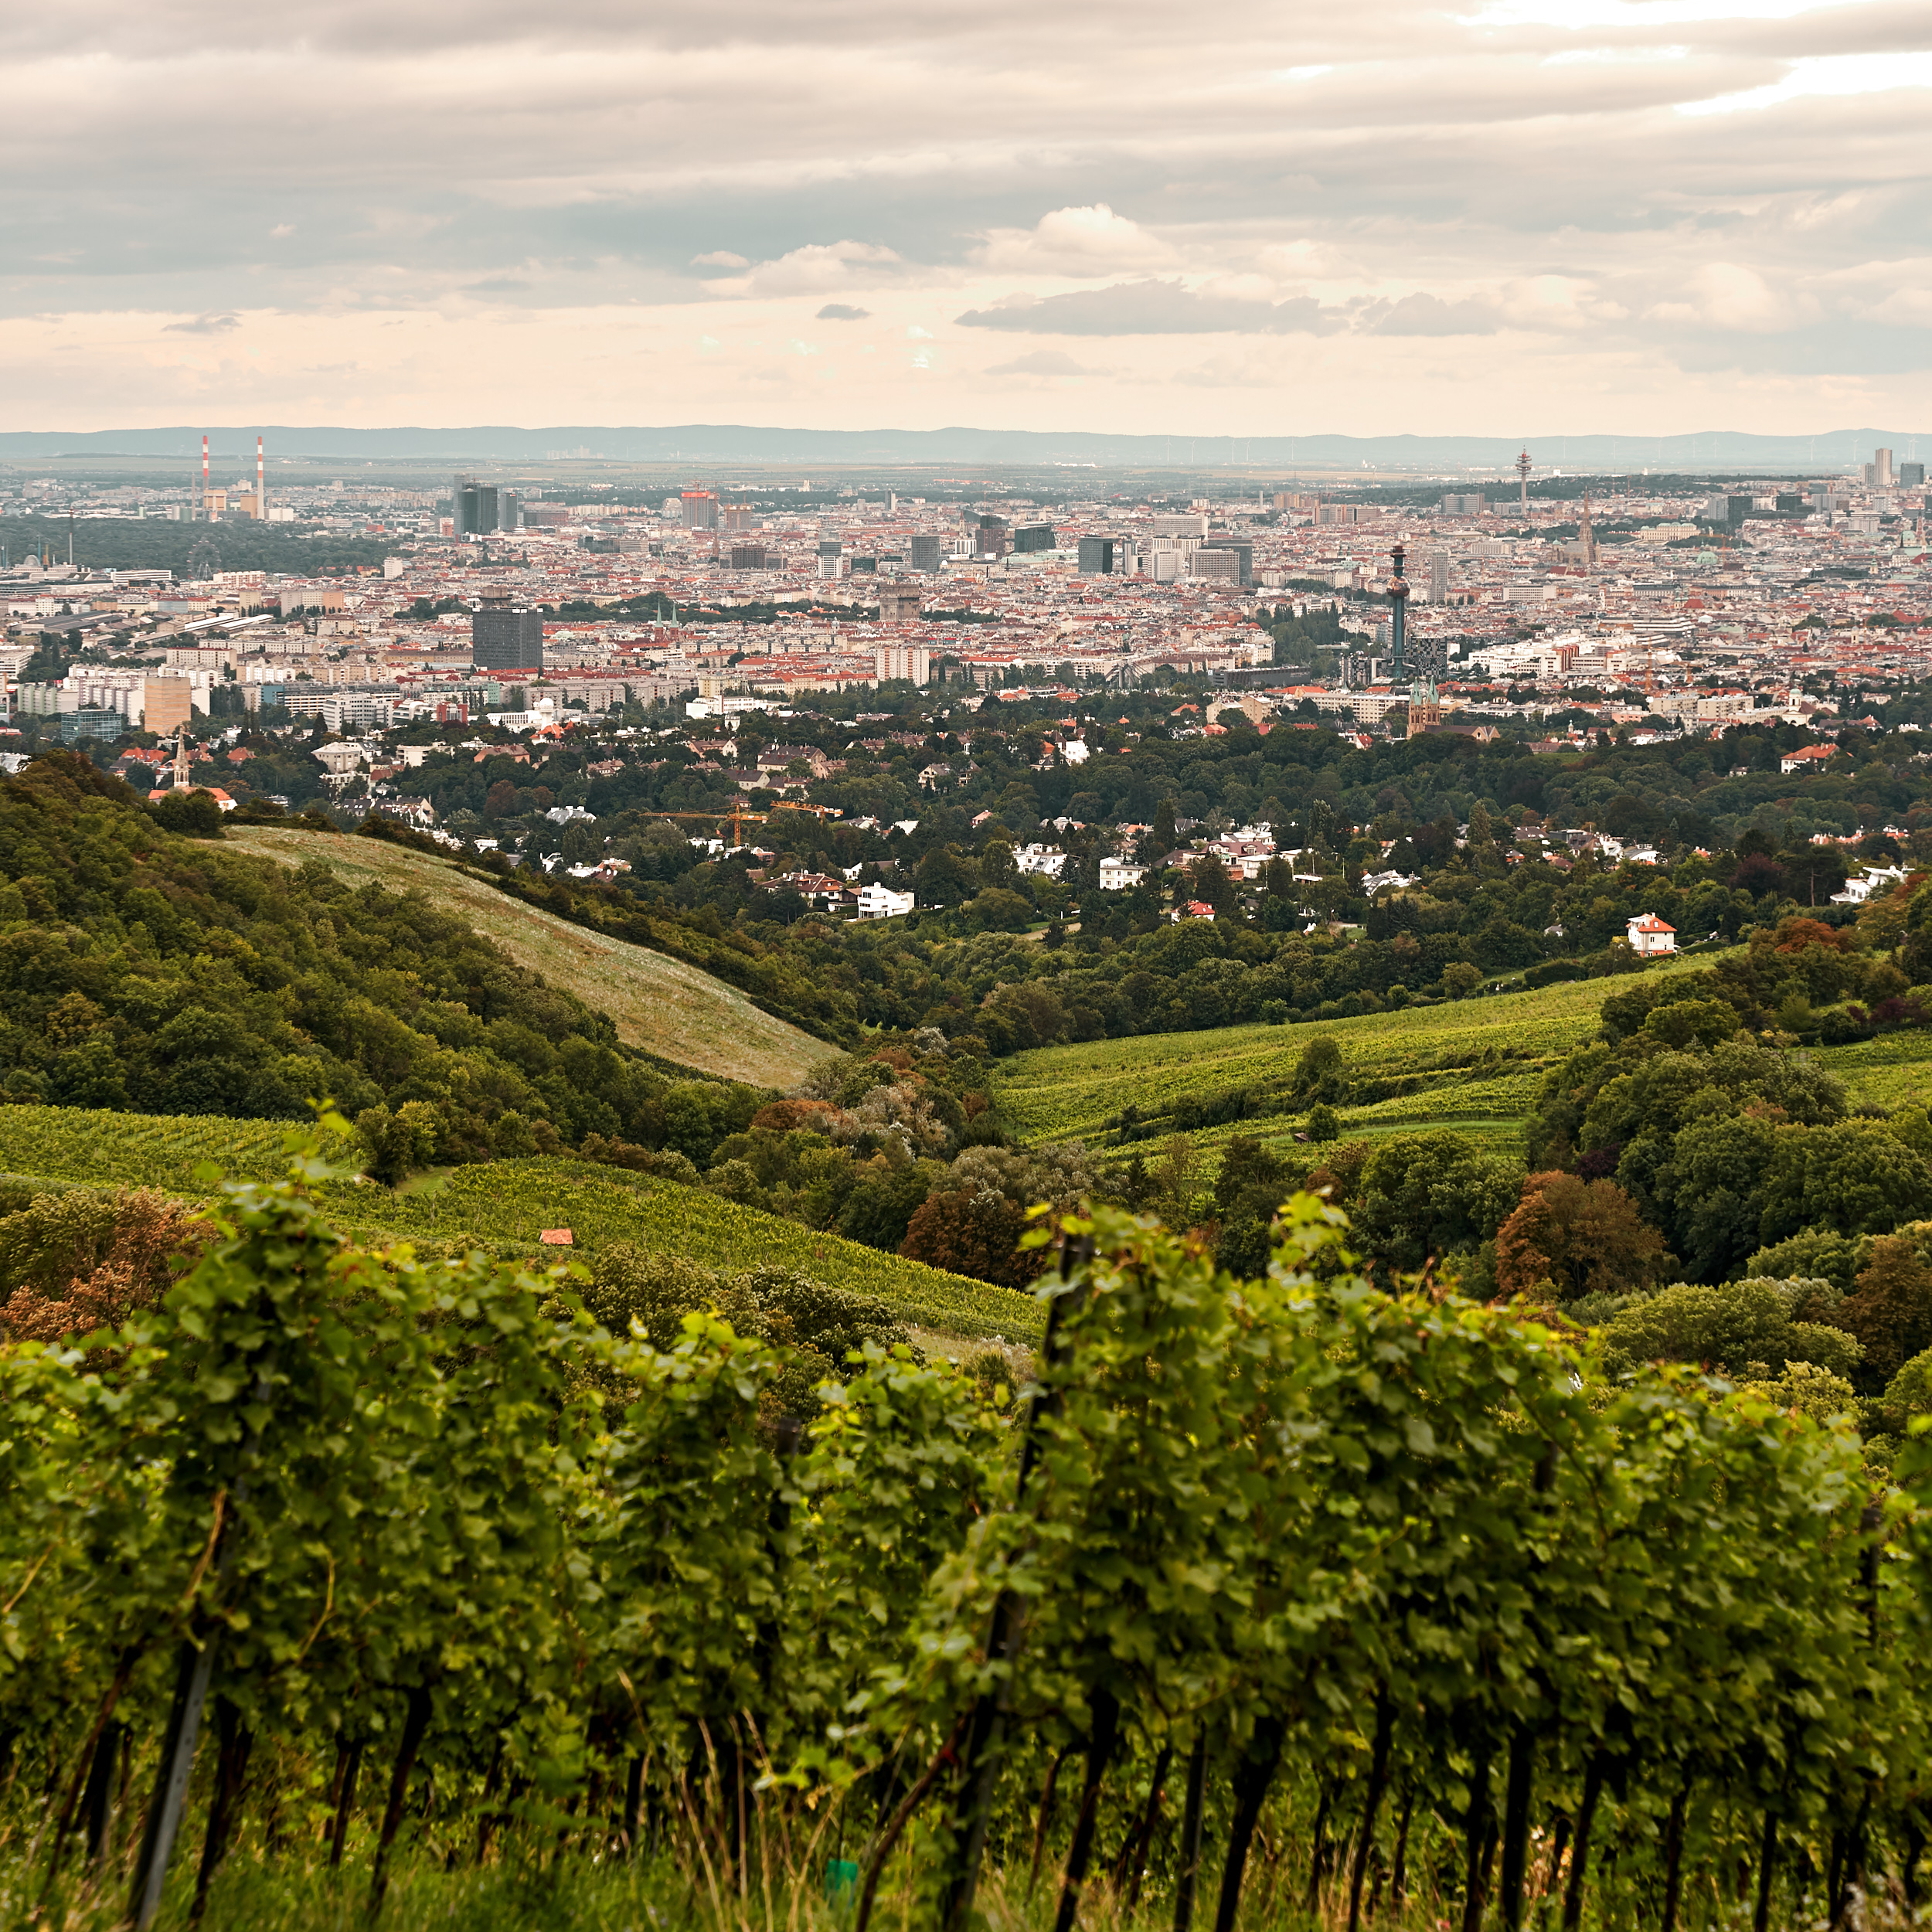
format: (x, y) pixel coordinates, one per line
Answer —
(261, 485)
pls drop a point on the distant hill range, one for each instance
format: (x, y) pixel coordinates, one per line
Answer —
(1830, 454)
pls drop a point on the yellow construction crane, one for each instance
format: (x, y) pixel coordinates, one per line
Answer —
(737, 815)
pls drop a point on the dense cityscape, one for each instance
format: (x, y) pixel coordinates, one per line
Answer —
(1539, 609)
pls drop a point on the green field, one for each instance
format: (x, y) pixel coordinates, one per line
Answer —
(504, 1205)
(662, 1005)
(1892, 1071)
(1474, 1065)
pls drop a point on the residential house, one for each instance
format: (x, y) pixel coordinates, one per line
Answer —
(1650, 936)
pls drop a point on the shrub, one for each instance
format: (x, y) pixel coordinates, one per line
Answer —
(972, 1233)
(1584, 1236)
(78, 1261)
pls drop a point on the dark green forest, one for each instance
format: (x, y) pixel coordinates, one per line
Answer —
(159, 543)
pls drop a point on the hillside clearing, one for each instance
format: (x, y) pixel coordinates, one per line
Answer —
(659, 1005)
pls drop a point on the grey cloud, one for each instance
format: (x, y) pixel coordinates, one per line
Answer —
(1484, 151)
(1154, 308)
(204, 325)
(1430, 315)
(843, 312)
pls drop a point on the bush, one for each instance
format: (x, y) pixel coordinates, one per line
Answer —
(665, 1164)
(397, 1144)
(972, 1233)
(1586, 1237)
(75, 1261)
(1732, 1327)
(194, 814)
(1910, 1391)
(1822, 1253)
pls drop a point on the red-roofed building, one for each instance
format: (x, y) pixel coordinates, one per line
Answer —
(1649, 935)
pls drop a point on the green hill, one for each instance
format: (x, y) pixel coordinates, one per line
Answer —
(658, 1004)
(1473, 1065)
(504, 1205)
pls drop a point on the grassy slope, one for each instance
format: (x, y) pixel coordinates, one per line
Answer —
(1062, 1093)
(503, 1205)
(1892, 1071)
(659, 1005)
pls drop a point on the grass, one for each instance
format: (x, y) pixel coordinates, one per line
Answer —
(437, 1884)
(503, 1205)
(661, 1005)
(1474, 1065)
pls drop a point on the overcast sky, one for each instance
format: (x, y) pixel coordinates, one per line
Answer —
(1499, 216)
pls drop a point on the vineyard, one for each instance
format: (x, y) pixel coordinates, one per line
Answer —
(1484, 1052)
(505, 1205)
(96, 1148)
(348, 1582)
(1891, 1071)
(1474, 1065)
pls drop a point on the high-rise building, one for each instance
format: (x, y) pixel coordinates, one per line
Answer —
(1096, 555)
(1911, 476)
(166, 705)
(1464, 505)
(927, 552)
(1033, 536)
(504, 636)
(478, 510)
(1882, 465)
(1438, 562)
(831, 559)
(900, 603)
(909, 663)
(700, 509)
(990, 536)
(1229, 563)
(752, 556)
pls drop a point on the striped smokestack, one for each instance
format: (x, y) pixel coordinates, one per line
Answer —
(261, 486)
(204, 476)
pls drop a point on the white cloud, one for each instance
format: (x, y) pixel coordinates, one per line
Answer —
(1726, 295)
(1044, 362)
(1320, 188)
(1592, 14)
(818, 268)
(1849, 74)
(1074, 242)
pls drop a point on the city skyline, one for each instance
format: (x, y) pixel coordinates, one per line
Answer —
(1675, 216)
